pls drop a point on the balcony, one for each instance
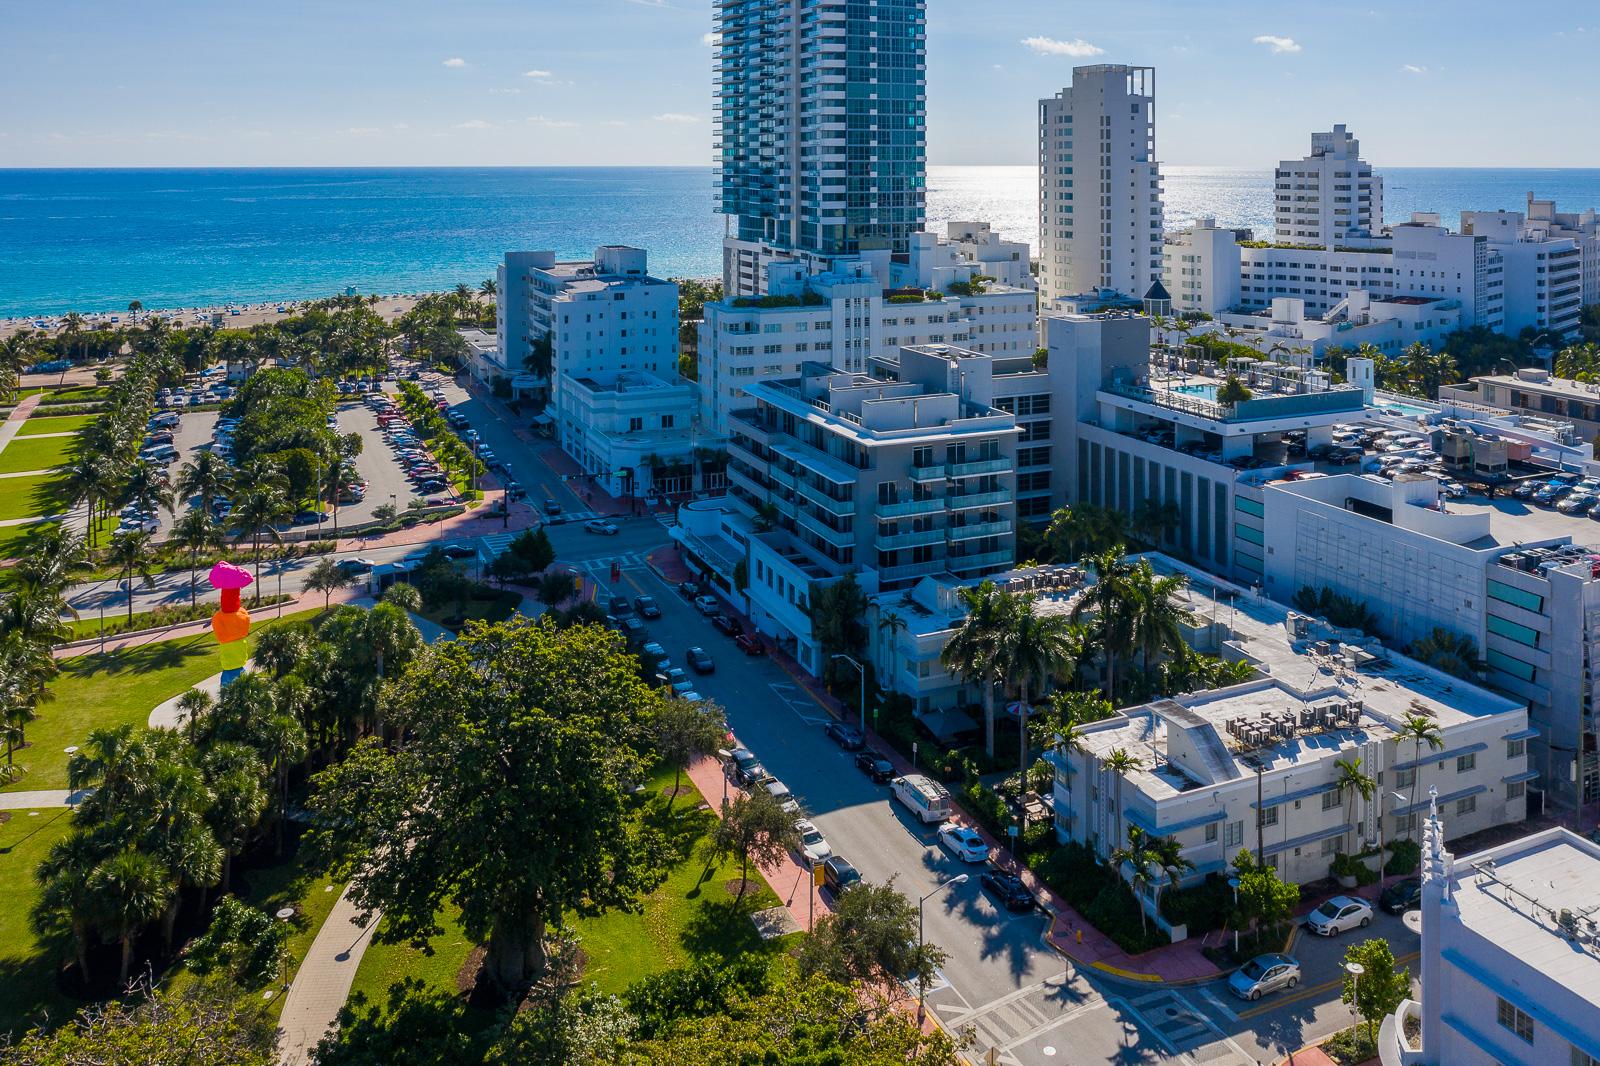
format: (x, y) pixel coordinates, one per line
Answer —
(833, 536)
(826, 502)
(978, 530)
(928, 473)
(895, 541)
(888, 574)
(932, 505)
(976, 499)
(973, 562)
(981, 466)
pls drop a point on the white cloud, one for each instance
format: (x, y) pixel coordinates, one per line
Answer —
(1279, 45)
(475, 124)
(505, 92)
(551, 123)
(1412, 68)
(540, 74)
(455, 62)
(361, 131)
(677, 117)
(708, 39)
(1078, 48)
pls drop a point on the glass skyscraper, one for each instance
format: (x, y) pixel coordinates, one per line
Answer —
(821, 129)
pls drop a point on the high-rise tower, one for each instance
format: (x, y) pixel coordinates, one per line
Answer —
(1331, 193)
(821, 130)
(1099, 184)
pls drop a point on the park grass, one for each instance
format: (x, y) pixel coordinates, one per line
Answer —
(123, 687)
(27, 969)
(116, 622)
(35, 453)
(76, 394)
(436, 967)
(53, 424)
(492, 606)
(15, 540)
(38, 496)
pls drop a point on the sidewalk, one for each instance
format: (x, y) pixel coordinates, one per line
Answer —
(21, 801)
(322, 984)
(301, 602)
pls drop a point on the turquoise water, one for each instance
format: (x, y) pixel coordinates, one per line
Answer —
(91, 240)
(1208, 392)
(1406, 410)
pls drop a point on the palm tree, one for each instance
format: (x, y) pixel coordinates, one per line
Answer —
(1168, 857)
(1109, 598)
(257, 513)
(1419, 729)
(892, 623)
(1118, 764)
(53, 560)
(1454, 653)
(194, 707)
(1156, 618)
(234, 775)
(488, 287)
(1353, 782)
(144, 487)
(113, 762)
(133, 553)
(67, 900)
(197, 532)
(973, 649)
(86, 479)
(129, 891)
(207, 477)
(1033, 648)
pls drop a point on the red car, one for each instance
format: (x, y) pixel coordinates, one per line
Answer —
(750, 644)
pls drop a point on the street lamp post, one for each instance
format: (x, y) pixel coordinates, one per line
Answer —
(862, 670)
(922, 984)
(1355, 970)
(726, 755)
(1233, 883)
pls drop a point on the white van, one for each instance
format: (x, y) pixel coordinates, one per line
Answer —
(923, 797)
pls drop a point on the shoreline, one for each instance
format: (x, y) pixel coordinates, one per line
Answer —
(233, 316)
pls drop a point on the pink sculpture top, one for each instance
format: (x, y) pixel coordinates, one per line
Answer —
(229, 576)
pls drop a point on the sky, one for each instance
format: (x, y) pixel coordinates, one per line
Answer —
(1239, 83)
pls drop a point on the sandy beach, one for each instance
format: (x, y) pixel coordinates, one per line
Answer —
(228, 316)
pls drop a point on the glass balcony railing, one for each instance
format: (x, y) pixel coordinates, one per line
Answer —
(976, 499)
(977, 530)
(893, 541)
(973, 562)
(980, 466)
(910, 507)
(934, 472)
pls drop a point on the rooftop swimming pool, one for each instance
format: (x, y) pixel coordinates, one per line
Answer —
(1205, 392)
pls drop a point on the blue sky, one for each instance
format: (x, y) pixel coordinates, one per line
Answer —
(484, 82)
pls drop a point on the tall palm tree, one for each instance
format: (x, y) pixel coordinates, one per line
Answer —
(130, 890)
(1109, 599)
(53, 560)
(1419, 729)
(234, 776)
(257, 514)
(1454, 653)
(1033, 648)
(1167, 854)
(197, 533)
(890, 625)
(1119, 763)
(86, 482)
(133, 553)
(1353, 782)
(1156, 616)
(207, 477)
(144, 486)
(488, 287)
(67, 900)
(114, 762)
(972, 651)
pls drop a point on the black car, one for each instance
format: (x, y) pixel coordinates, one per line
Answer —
(1009, 890)
(459, 551)
(699, 661)
(747, 769)
(515, 491)
(551, 507)
(847, 737)
(620, 606)
(1402, 896)
(688, 590)
(303, 518)
(727, 624)
(646, 606)
(838, 874)
(874, 766)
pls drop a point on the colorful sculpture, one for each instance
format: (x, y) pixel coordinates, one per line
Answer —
(231, 623)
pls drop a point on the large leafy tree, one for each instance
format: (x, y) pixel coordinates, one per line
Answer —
(682, 730)
(754, 829)
(208, 1024)
(870, 936)
(510, 797)
(1382, 986)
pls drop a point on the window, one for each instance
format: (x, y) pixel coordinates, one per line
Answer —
(666, 421)
(1583, 1058)
(1233, 834)
(1331, 800)
(1330, 846)
(1528, 601)
(1515, 790)
(1499, 660)
(1211, 833)
(1465, 764)
(1269, 816)
(1516, 749)
(1405, 778)
(1405, 825)
(1514, 1019)
(1466, 806)
(635, 425)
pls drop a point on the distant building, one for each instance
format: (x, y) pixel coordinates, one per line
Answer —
(1201, 267)
(1510, 969)
(1544, 270)
(1328, 195)
(1531, 391)
(1099, 184)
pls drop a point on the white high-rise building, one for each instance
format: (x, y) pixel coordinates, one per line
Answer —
(1099, 184)
(1544, 269)
(1330, 194)
(821, 131)
(1202, 267)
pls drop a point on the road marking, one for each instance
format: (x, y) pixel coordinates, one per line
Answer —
(797, 707)
(1044, 1027)
(1308, 991)
(1222, 1008)
(1145, 1024)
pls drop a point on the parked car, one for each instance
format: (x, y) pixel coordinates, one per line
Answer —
(838, 875)
(619, 606)
(653, 653)
(459, 551)
(847, 737)
(780, 792)
(356, 566)
(551, 507)
(874, 766)
(965, 844)
(602, 527)
(728, 624)
(633, 628)
(1008, 889)
(1402, 896)
(1263, 974)
(750, 644)
(813, 845)
(1339, 914)
(688, 590)
(646, 606)
(699, 661)
(747, 769)
(707, 605)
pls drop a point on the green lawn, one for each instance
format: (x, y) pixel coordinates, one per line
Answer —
(53, 424)
(14, 539)
(116, 622)
(125, 686)
(27, 971)
(42, 453)
(76, 394)
(497, 606)
(27, 497)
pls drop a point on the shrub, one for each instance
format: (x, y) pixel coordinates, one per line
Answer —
(1115, 913)
(1073, 873)
(1202, 908)
(1404, 857)
(1350, 866)
(242, 942)
(985, 804)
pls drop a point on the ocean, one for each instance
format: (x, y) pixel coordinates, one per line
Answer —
(91, 240)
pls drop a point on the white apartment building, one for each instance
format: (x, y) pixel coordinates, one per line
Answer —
(1100, 216)
(1329, 195)
(1529, 600)
(1536, 392)
(1252, 766)
(935, 261)
(1583, 227)
(634, 430)
(1288, 330)
(1544, 272)
(1200, 266)
(1510, 969)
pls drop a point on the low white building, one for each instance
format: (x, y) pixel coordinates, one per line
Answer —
(1201, 267)
(1544, 270)
(1252, 766)
(1510, 969)
(1288, 330)
(967, 248)
(634, 431)
(485, 361)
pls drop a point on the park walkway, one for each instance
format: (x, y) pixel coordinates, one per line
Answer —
(322, 983)
(53, 797)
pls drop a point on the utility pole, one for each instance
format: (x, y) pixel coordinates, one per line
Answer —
(1260, 819)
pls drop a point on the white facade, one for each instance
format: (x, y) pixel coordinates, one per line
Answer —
(1099, 184)
(1583, 227)
(1329, 195)
(1201, 267)
(1287, 329)
(1544, 273)
(633, 429)
(1510, 956)
(1210, 761)
(967, 248)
